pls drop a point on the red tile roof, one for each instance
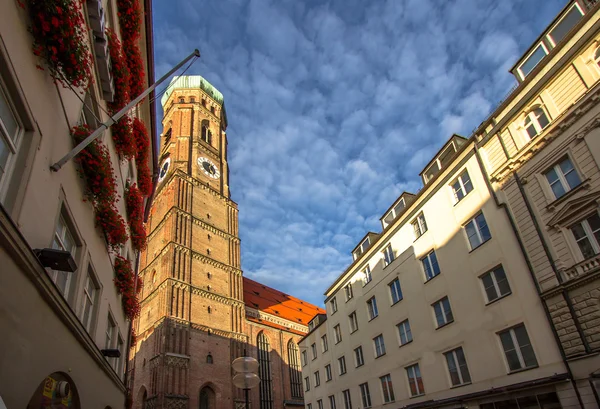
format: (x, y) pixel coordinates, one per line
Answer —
(271, 301)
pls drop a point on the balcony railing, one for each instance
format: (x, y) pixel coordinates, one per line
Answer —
(586, 266)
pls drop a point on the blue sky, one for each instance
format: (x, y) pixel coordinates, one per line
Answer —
(334, 108)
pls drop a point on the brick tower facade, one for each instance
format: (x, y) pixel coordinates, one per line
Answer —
(194, 319)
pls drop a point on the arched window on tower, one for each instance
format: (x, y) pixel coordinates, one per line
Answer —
(209, 358)
(206, 134)
(295, 371)
(264, 371)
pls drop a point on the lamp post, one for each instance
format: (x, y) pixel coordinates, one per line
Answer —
(246, 377)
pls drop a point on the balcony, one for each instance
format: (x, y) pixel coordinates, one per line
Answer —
(585, 267)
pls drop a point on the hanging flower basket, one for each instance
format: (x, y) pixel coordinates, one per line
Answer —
(60, 38)
(144, 176)
(137, 75)
(135, 211)
(119, 72)
(125, 281)
(130, 18)
(122, 135)
(113, 225)
(140, 135)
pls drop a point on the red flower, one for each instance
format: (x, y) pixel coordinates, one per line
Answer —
(125, 281)
(130, 18)
(123, 137)
(119, 72)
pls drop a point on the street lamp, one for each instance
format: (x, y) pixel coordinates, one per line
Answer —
(246, 377)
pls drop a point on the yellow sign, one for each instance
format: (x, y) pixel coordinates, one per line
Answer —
(49, 384)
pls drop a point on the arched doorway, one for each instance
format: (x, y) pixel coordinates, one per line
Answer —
(207, 398)
(142, 397)
(57, 390)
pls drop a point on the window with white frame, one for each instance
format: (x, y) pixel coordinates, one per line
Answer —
(324, 346)
(337, 332)
(304, 358)
(306, 384)
(387, 388)
(537, 55)
(111, 334)
(587, 235)
(419, 225)
(372, 308)
(477, 231)
(348, 291)
(313, 348)
(388, 255)
(317, 376)
(560, 30)
(430, 265)
(462, 186)
(361, 248)
(415, 382)
(562, 177)
(358, 357)
(11, 133)
(332, 402)
(333, 304)
(89, 302)
(457, 367)
(495, 284)
(396, 210)
(443, 312)
(365, 395)
(517, 348)
(342, 365)
(353, 322)
(63, 240)
(320, 404)
(328, 374)
(347, 399)
(367, 277)
(379, 345)
(404, 332)
(535, 122)
(395, 291)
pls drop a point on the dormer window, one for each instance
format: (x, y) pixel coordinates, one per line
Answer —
(533, 60)
(362, 248)
(389, 218)
(442, 160)
(560, 30)
(535, 122)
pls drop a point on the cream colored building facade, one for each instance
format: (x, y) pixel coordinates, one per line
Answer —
(485, 281)
(54, 325)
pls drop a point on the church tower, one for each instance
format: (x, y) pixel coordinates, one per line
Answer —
(191, 324)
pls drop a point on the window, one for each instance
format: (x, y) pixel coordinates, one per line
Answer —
(389, 218)
(517, 348)
(347, 399)
(320, 404)
(372, 308)
(264, 371)
(337, 331)
(309, 406)
(304, 358)
(457, 367)
(387, 388)
(388, 255)
(361, 248)
(118, 363)
(562, 177)
(365, 395)
(353, 322)
(415, 382)
(324, 346)
(395, 291)
(535, 122)
(495, 284)
(462, 186)
(90, 295)
(565, 25)
(307, 384)
(313, 347)
(192, 99)
(534, 58)
(367, 275)
(63, 240)
(419, 226)
(404, 332)
(379, 345)
(342, 365)
(477, 231)
(212, 110)
(111, 341)
(430, 265)
(348, 291)
(295, 372)
(317, 379)
(333, 304)
(11, 132)
(332, 402)
(205, 133)
(181, 100)
(443, 313)
(587, 235)
(358, 357)
(328, 374)
(209, 359)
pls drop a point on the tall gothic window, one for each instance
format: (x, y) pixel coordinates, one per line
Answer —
(295, 371)
(264, 371)
(206, 134)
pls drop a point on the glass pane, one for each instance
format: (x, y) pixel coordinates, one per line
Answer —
(8, 118)
(502, 281)
(448, 310)
(434, 263)
(552, 176)
(432, 171)
(578, 231)
(61, 281)
(462, 364)
(528, 356)
(458, 193)
(586, 248)
(533, 60)
(557, 189)
(467, 182)
(472, 235)
(488, 285)
(483, 227)
(542, 118)
(408, 331)
(4, 151)
(594, 222)
(428, 272)
(531, 131)
(568, 21)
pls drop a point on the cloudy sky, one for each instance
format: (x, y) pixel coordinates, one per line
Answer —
(334, 108)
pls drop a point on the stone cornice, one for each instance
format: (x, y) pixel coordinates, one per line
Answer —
(174, 283)
(254, 313)
(198, 327)
(195, 220)
(571, 284)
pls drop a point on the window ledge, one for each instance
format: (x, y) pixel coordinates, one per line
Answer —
(354, 331)
(461, 385)
(417, 396)
(480, 245)
(367, 283)
(373, 318)
(421, 235)
(444, 325)
(358, 366)
(338, 342)
(498, 299)
(522, 369)
(379, 356)
(406, 343)
(397, 302)
(457, 202)
(388, 264)
(428, 280)
(585, 184)
(387, 403)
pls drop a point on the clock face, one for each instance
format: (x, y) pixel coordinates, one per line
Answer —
(164, 169)
(209, 168)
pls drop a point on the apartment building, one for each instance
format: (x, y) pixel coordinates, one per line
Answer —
(66, 238)
(481, 288)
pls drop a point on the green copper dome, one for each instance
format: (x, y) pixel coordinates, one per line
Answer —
(192, 81)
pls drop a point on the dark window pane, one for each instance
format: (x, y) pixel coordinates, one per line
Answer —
(488, 285)
(542, 118)
(568, 21)
(533, 60)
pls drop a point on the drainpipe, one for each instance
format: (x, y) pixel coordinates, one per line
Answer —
(531, 273)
